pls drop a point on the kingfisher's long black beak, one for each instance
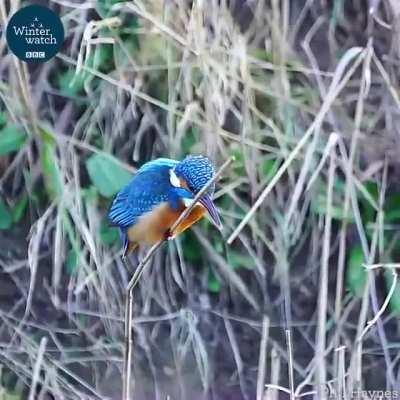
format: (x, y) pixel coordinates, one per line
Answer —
(209, 205)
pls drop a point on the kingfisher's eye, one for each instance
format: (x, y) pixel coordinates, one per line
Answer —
(191, 188)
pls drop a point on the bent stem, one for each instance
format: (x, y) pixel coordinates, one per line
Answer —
(128, 333)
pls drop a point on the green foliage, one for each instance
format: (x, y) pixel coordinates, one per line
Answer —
(51, 170)
(392, 208)
(319, 201)
(90, 194)
(238, 166)
(5, 215)
(6, 395)
(368, 213)
(235, 259)
(190, 140)
(391, 215)
(304, 95)
(336, 12)
(19, 208)
(269, 168)
(261, 54)
(108, 234)
(3, 119)
(71, 262)
(107, 175)
(103, 58)
(238, 260)
(74, 254)
(11, 139)
(105, 6)
(356, 276)
(213, 284)
(71, 83)
(190, 247)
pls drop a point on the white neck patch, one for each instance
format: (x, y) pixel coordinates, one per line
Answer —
(187, 202)
(175, 181)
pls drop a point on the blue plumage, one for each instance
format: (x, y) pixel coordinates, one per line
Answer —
(196, 171)
(148, 188)
(151, 187)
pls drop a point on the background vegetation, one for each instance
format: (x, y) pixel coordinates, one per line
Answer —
(305, 94)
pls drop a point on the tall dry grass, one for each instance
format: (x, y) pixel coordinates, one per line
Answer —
(299, 298)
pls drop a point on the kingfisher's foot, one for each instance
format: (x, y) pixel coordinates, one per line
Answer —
(169, 235)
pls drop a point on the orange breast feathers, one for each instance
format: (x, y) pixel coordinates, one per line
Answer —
(152, 227)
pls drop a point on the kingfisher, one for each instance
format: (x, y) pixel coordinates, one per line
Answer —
(148, 206)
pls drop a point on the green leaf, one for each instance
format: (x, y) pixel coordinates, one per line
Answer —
(269, 168)
(319, 201)
(238, 260)
(74, 254)
(367, 210)
(3, 119)
(238, 165)
(395, 299)
(108, 234)
(103, 58)
(11, 139)
(19, 208)
(105, 6)
(218, 243)
(392, 208)
(71, 83)
(372, 189)
(214, 284)
(189, 140)
(337, 10)
(5, 215)
(356, 276)
(190, 247)
(90, 194)
(71, 262)
(318, 206)
(9, 396)
(107, 174)
(262, 55)
(52, 174)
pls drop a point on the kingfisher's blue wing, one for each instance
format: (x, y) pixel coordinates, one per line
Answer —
(148, 188)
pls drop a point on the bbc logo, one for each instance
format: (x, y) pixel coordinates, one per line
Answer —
(35, 54)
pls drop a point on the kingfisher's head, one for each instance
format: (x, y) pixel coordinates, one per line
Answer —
(192, 174)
